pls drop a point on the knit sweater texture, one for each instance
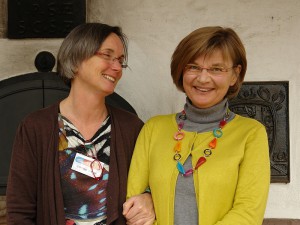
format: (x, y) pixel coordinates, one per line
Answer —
(231, 187)
(34, 194)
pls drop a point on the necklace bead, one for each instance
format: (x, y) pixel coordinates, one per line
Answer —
(213, 143)
(200, 161)
(207, 152)
(179, 135)
(217, 132)
(177, 147)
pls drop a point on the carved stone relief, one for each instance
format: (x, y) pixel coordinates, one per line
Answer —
(267, 102)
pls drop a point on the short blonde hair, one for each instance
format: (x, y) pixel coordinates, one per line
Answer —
(204, 41)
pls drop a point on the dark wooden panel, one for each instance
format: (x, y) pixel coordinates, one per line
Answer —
(26, 93)
(44, 18)
(268, 103)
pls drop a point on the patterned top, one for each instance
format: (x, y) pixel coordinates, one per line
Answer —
(84, 196)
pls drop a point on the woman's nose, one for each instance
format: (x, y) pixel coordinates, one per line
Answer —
(203, 76)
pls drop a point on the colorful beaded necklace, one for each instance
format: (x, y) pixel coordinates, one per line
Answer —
(179, 135)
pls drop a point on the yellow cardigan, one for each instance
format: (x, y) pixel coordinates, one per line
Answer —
(231, 187)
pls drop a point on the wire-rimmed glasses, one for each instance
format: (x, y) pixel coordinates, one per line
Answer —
(193, 69)
(111, 59)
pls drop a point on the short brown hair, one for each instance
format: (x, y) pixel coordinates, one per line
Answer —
(82, 43)
(204, 41)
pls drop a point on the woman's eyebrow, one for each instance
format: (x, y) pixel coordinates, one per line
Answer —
(107, 49)
(110, 50)
(219, 64)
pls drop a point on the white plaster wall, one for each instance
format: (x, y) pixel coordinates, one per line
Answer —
(17, 56)
(270, 30)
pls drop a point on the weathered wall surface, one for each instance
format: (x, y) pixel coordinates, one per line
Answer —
(270, 30)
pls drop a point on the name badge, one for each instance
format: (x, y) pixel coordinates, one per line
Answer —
(87, 165)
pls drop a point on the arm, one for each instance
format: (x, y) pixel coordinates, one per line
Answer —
(139, 207)
(138, 210)
(253, 183)
(138, 177)
(22, 182)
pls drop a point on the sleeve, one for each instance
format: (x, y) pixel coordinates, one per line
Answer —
(138, 177)
(22, 181)
(253, 182)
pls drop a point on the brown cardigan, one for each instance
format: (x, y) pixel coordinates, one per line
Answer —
(34, 194)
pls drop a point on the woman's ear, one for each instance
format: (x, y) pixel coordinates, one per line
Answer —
(236, 74)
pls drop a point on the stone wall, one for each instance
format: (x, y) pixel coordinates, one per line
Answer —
(3, 4)
(281, 222)
(2, 210)
(3, 18)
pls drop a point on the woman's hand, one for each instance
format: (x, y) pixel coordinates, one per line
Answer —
(139, 210)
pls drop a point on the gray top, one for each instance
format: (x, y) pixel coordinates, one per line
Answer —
(198, 120)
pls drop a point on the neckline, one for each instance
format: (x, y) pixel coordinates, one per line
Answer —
(204, 120)
(207, 152)
(208, 115)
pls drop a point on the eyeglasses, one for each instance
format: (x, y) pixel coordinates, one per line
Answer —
(193, 69)
(111, 59)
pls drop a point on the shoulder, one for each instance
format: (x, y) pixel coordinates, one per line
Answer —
(247, 124)
(162, 120)
(38, 125)
(41, 117)
(246, 120)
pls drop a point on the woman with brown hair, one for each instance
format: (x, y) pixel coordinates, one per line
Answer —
(70, 160)
(204, 165)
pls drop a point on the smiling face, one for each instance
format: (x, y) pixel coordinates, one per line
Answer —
(205, 89)
(100, 73)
